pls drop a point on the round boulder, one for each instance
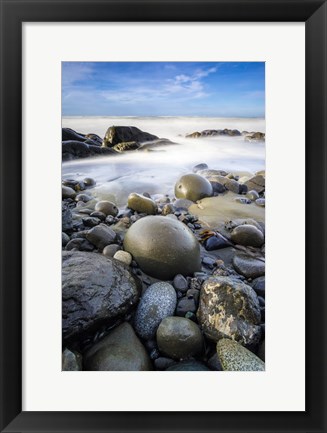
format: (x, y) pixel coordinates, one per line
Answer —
(106, 207)
(158, 302)
(229, 308)
(179, 338)
(193, 187)
(163, 247)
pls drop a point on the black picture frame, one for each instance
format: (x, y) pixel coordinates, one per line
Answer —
(13, 14)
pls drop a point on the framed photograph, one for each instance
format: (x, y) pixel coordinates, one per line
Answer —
(163, 216)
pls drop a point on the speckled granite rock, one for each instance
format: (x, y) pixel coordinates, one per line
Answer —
(229, 308)
(234, 357)
(158, 302)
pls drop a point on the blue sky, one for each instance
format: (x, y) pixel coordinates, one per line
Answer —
(217, 89)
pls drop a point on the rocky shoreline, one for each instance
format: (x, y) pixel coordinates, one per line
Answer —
(150, 286)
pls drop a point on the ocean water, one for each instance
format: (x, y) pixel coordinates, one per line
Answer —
(156, 172)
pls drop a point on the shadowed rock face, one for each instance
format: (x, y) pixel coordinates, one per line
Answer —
(120, 134)
(73, 149)
(229, 308)
(95, 290)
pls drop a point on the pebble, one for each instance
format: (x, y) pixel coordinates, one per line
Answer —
(67, 192)
(106, 207)
(110, 250)
(179, 338)
(252, 195)
(184, 306)
(124, 257)
(180, 283)
(101, 236)
(157, 302)
(209, 261)
(259, 286)
(247, 235)
(99, 215)
(260, 202)
(120, 350)
(234, 357)
(64, 239)
(248, 266)
(243, 200)
(71, 361)
(193, 187)
(91, 221)
(142, 204)
(83, 197)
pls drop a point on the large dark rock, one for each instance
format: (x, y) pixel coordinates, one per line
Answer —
(120, 350)
(229, 308)
(95, 290)
(120, 134)
(163, 247)
(73, 149)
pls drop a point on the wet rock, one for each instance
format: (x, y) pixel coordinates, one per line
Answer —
(188, 366)
(91, 221)
(193, 187)
(126, 146)
(210, 173)
(180, 283)
(252, 195)
(110, 250)
(199, 167)
(256, 183)
(89, 292)
(247, 235)
(185, 305)
(64, 239)
(182, 204)
(216, 242)
(71, 361)
(234, 357)
(124, 257)
(101, 236)
(142, 204)
(72, 149)
(259, 286)
(163, 247)
(229, 308)
(119, 134)
(106, 207)
(120, 350)
(88, 181)
(70, 134)
(248, 266)
(260, 202)
(67, 218)
(179, 338)
(67, 192)
(157, 302)
(162, 363)
(79, 244)
(193, 135)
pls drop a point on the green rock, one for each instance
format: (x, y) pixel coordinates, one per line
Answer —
(179, 338)
(193, 187)
(120, 350)
(234, 357)
(163, 247)
(142, 204)
(229, 308)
